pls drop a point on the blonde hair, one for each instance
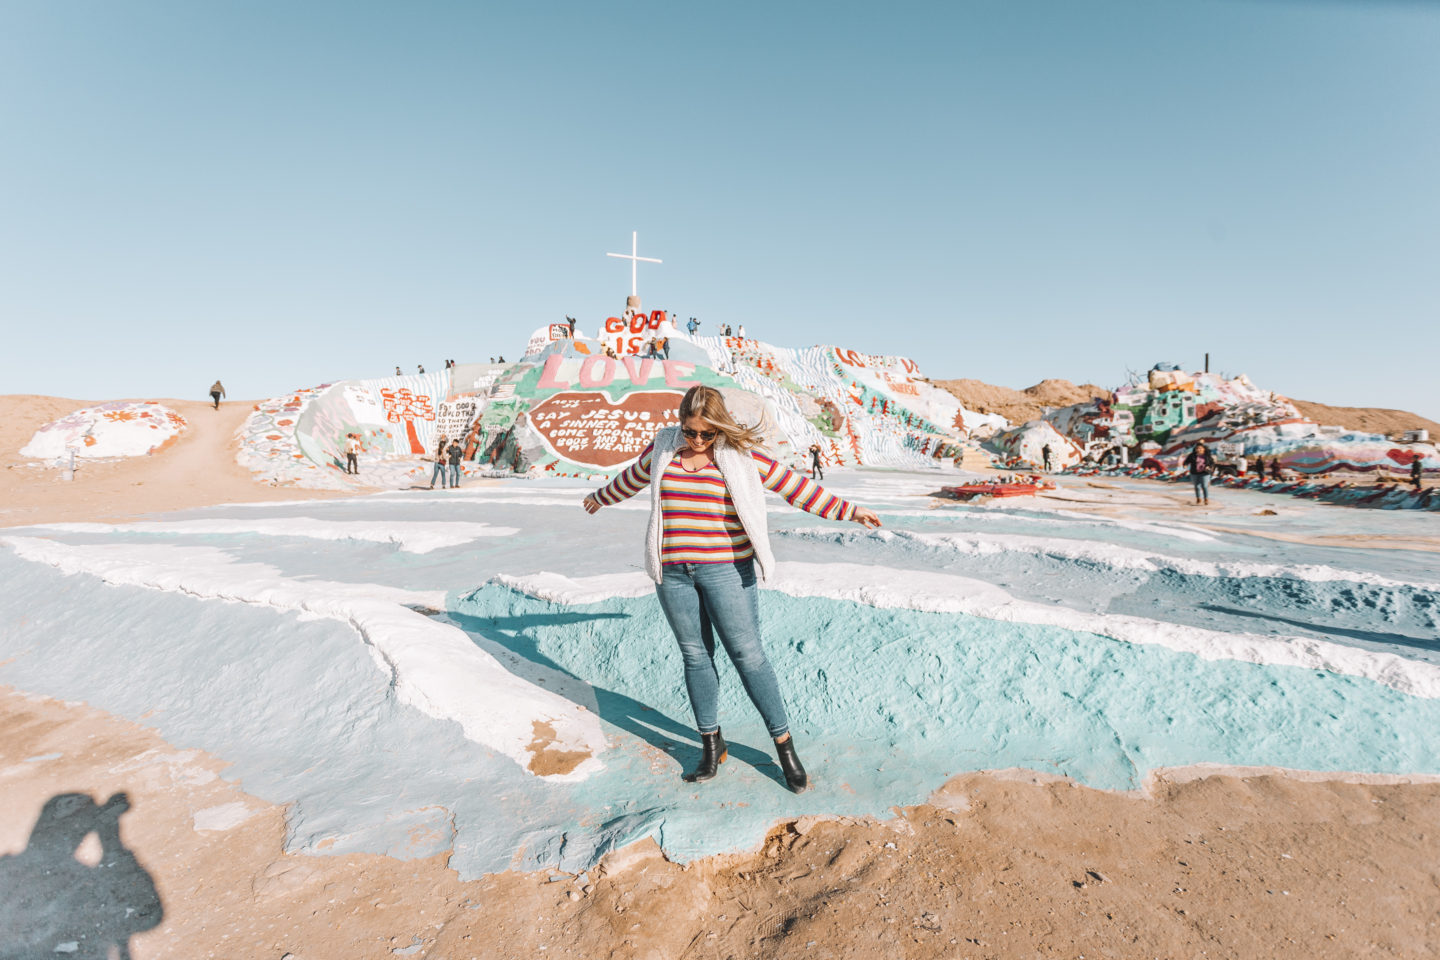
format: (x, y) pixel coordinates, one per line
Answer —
(708, 404)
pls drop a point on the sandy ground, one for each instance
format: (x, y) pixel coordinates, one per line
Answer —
(1372, 419)
(1234, 864)
(198, 470)
(1204, 863)
(1018, 406)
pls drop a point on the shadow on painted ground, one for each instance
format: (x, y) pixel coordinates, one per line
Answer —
(55, 905)
(1374, 636)
(646, 723)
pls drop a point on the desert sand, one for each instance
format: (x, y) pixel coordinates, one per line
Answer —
(1019, 406)
(1203, 862)
(198, 470)
(1223, 863)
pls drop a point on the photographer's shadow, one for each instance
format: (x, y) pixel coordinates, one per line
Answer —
(55, 904)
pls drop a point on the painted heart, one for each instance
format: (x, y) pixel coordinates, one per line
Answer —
(591, 428)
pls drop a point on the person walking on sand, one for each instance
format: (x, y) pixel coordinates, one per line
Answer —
(816, 471)
(217, 390)
(439, 470)
(352, 454)
(1200, 463)
(705, 547)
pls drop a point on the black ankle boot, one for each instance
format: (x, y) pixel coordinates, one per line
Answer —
(795, 777)
(712, 754)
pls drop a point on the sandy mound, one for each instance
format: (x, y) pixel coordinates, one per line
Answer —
(197, 470)
(1019, 406)
(1369, 419)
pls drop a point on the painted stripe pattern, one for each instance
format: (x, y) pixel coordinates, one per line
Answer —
(700, 522)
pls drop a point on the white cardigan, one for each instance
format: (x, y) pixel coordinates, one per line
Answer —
(742, 480)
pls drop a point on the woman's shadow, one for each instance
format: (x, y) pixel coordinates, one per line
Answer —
(52, 903)
(630, 715)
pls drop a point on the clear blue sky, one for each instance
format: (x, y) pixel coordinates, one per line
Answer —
(284, 193)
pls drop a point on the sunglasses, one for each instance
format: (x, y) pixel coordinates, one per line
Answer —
(702, 434)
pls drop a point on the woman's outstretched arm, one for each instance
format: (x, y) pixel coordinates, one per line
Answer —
(626, 484)
(802, 492)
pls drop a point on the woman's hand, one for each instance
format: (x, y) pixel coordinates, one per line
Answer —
(591, 504)
(867, 518)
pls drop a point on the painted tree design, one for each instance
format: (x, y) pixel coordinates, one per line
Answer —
(403, 406)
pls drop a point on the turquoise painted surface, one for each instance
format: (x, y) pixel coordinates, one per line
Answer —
(888, 704)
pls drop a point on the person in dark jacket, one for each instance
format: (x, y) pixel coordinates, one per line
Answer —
(1045, 452)
(1416, 472)
(453, 454)
(1201, 463)
(816, 467)
(217, 390)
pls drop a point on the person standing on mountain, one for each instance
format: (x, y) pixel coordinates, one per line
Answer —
(352, 453)
(217, 390)
(816, 470)
(707, 548)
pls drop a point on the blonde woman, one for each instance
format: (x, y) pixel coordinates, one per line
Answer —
(705, 545)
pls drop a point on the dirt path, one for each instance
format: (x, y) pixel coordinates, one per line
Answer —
(199, 469)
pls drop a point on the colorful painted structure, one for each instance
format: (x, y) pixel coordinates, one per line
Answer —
(1026, 444)
(121, 428)
(568, 409)
(1166, 416)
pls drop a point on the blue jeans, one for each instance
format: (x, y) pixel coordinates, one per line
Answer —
(439, 471)
(1202, 485)
(701, 599)
(454, 474)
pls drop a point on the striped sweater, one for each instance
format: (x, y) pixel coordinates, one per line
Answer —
(700, 524)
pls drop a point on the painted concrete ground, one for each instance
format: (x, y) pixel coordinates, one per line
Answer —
(1096, 643)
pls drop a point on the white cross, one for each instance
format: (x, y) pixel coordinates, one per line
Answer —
(634, 260)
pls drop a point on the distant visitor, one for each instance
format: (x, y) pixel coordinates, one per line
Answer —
(440, 455)
(1201, 463)
(217, 390)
